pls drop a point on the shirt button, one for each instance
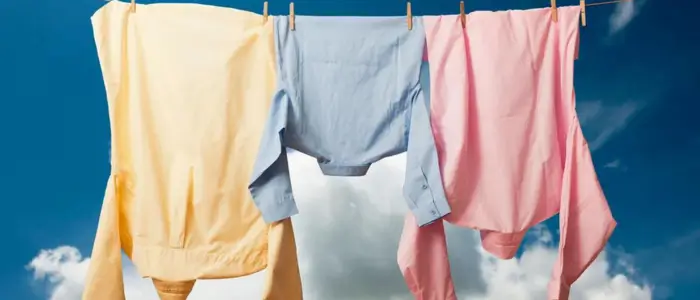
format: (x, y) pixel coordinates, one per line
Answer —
(433, 212)
(424, 187)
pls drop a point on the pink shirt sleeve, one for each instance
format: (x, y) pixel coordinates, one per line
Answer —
(585, 220)
(422, 259)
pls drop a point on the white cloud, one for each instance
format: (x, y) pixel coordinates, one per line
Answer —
(347, 234)
(624, 13)
(602, 121)
(64, 269)
(527, 278)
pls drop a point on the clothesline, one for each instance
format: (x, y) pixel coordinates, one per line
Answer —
(316, 2)
(404, 1)
(553, 5)
(409, 13)
(607, 2)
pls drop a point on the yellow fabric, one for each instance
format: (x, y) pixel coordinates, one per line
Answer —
(178, 290)
(189, 88)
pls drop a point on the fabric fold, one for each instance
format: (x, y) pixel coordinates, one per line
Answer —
(105, 269)
(585, 220)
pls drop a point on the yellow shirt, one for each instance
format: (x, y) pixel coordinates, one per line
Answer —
(189, 88)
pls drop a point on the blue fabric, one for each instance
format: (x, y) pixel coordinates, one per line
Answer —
(348, 95)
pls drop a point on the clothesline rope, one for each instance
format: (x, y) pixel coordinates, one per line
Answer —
(409, 14)
(607, 2)
(133, 2)
(401, 1)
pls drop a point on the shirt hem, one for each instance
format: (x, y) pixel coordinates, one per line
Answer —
(333, 170)
(187, 264)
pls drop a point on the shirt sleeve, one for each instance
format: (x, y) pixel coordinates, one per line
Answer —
(282, 277)
(423, 189)
(585, 220)
(423, 261)
(270, 185)
(104, 278)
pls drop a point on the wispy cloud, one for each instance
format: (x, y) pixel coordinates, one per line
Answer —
(671, 263)
(602, 121)
(613, 164)
(623, 15)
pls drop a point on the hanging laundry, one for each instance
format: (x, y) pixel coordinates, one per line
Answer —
(511, 149)
(348, 95)
(188, 89)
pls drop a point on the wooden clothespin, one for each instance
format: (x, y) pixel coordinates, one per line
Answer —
(265, 12)
(582, 3)
(409, 15)
(554, 10)
(462, 16)
(132, 6)
(291, 15)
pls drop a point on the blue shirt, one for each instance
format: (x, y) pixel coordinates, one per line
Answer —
(348, 94)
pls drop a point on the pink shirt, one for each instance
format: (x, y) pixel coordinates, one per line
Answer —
(510, 145)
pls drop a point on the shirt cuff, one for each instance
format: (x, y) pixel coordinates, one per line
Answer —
(282, 209)
(427, 211)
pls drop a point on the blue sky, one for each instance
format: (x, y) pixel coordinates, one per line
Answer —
(636, 92)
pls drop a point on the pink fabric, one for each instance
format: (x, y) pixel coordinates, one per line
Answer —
(511, 149)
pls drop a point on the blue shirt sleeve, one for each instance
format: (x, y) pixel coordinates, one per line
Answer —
(423, 188)
(270, 185)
